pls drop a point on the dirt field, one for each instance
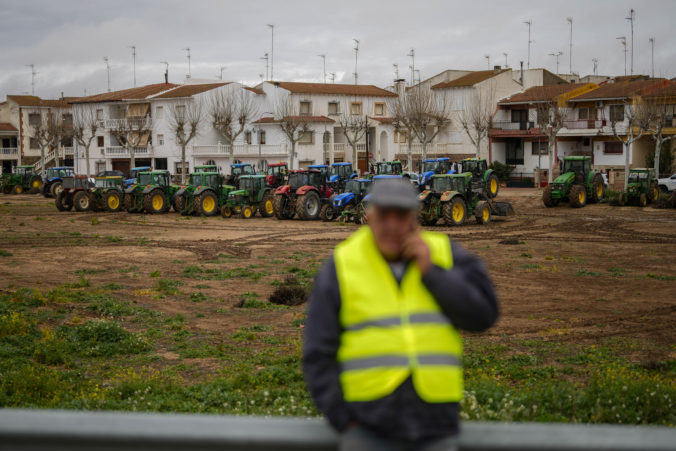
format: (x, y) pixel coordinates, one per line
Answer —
(573, 275)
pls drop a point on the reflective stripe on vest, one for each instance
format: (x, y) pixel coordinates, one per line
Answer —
(392, 330)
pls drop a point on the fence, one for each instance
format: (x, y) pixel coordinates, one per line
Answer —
(56, 430)
(239, 150)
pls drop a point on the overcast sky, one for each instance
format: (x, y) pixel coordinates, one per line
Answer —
(67, 40)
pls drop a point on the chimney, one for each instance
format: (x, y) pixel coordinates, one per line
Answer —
(399, 86)
(521, 75)
(497, 69)
(166, 77)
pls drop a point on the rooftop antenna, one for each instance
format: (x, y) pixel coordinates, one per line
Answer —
(105, 60)
(596, 65)
(187, 49)
(556, 55)
(33, 74)
(529, 22)
(323, 57)
(272, 50)
(166, 71)
(133, 54)
(396, 71)
(570, 51)
(488, 61)
(333, 77)
(220, 77)
(652, 56)
(417, 71)
(506, 65)
(623, 41)
(261, 76)
(356, 58)
(632, 15)
(266, 57)
(412, 66)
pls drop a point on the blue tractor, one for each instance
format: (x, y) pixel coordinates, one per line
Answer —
(434, 166)
(53, 181)
(134, 175)
(348, 206)
(341, 173)
(236, 171)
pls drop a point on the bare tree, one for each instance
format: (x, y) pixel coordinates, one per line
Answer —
(293, 125)
(185, 122)
(355, 127)
(636, 121)
(85, 127)
(131, 132)
(477, 115)
(230, 112)
(429, 115)
(659, 113)
(550, 118)
(48, 133)
(400, 110)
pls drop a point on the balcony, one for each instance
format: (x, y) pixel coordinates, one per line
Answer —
(240, 150)
(122, 152)
(509, 125)
(137, 122)
(9, 153)
(584, 124)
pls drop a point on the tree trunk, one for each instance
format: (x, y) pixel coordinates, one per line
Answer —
(291, 154)
(132, 158)
(87, 161)
(183, 164)
(355, 156)
(410, 154)
(658, 154)
(42, 160)
(550, 152)
(424, 150)
(627, 146)
(57, 161)
(478, 146)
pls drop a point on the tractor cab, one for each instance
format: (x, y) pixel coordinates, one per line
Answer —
(433, 166)
(358, 186)
(207, 168)
(276, 173)
(108, 182)
(581, 166)
(157, 178)
(388, 168)
(213, 179)
(61, 172)
(341, 171)
(642, 186)
(442, 183)
(323, 168)
(241, 169)
(252, 183)
(135, 173)
(24, 170)
(475, 166)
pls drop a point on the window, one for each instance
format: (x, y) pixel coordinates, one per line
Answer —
(616, 113)
(544, 148)
(612, 148)
(458, 102)
(305, 138)
(180, 111)
(379, 109)
(34, 119)
(161, 163)
(99, 115)
(586, 114)
(160, 140)
(399, 137)
(261, 137)
(519, 115)
(34, 144)
(179, 166)
(333, 108)
(304, 108)
(100, 166)
(355, 108)
(514, 153)
(99, 141)
(247, 137)
(159, 112)
(67, 119)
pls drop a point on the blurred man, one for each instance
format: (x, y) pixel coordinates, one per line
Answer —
(383, 354)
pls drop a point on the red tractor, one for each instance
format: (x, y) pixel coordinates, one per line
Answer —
(306, 195)
(275, 174)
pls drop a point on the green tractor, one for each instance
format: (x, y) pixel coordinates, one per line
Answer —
(253, 194)
(153, 193)
(107, 194)
(578, 183)
(207, 168)
(478, 168)
(642, 187)
(24, 178)
(454, 197)
(204, 194)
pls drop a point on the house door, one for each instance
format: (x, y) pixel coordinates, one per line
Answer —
(7, 166)
(122, 165)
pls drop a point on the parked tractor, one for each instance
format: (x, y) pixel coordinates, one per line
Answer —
(454, 197)
(74, 192)
(134, 175)
(23, 179)
(349, 206)
(107, 194)
(204, 194)
(276, 174)
(339, 174)
(433, 166)
(238, 170)
(253, 195)
(388, 168)
(152, 193)
(51, 184)
(303, 196)
(478, 168)
(207, 168)
(642, 187)
(578, 183)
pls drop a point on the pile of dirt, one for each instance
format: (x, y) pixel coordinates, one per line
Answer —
(290, 292)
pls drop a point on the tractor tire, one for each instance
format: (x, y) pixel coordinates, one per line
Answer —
(308, 206)
(154, 202)
(179, 205)
(17, 189)
(642, 200)
(267, 206)
(492, 186)
(327, 213)
(654, 192)
(112, 201)
(6, 189)
(597, 189)
(247, 212)
(128, 203)
(82, 201)
(622, 199)
(45, 191)
(226, 211)
(454, 212)
(426, 219)
(63, 202)
(547, 197)
(482, 213)
(35, 184)
(577, 196)
(207, 204)
(55, 188)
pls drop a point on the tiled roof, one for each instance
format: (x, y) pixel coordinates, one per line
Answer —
(620, 90)
(255, 90)
(542, 93)
(382, 120)
(334, 89)
(189, 90)
(140, 93)
(470, 79)
(668, 90)
(37, 101)
(271, 120)
(6, 127)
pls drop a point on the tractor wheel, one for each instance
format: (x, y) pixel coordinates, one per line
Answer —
(82, 201)
(482, 213)
(154, 202)
(35, 184)
(17, 189)
(577, 196)
(597, 188)
(55, 189)
(492, 186)
(226, 211)
(425, 218)
(112, 201)
(642, 200)
(267, 206)
(63, 202)
(45, 190)
(6, 189)
(454, 212)
(279, 203)
(327, 213)
(654, 192)
(308, 206)
(207, 203)
(622, 199)
(128, 203)
(547, 197)
(247, 212)
(179, 205)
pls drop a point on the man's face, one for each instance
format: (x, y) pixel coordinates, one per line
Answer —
(391, 227)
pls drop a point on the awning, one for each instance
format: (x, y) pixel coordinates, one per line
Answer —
(143, 141)
(138, 110)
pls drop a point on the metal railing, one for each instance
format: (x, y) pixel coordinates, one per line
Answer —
(585, 124)
(239, 150)
(509, 125)
(81, 430)
(9, 151)
(145, 122)
(432, 148)
(121, 151)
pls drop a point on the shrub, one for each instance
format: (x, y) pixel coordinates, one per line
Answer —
(102, 338)
(501, 170)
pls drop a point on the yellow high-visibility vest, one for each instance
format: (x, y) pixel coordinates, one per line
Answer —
(393, 331)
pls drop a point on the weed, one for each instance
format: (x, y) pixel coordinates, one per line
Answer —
(155, 274)
(289, 293)
(168, 287)
(617, 272)
(88, 272)
(659, 276)
(95, 221)
(583, 272)
(102, 338)
(39, 218)
(111, 287)
(128, 269)
(526, 255)
(4, 253)
(198, 296)
(112, 239)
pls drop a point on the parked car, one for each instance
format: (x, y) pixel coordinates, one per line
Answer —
(667, 184)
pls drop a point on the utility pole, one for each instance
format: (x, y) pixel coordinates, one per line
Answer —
(220, 77)
(166, 71)
(105, 60)
(506, 65)
(596, 65)
(272, 50)
(323, 57)
(266, 57)
(632, 15)
(356, 57)
(333, 77)
(33, 74)
(417, 71)
(133, 54)
(529, 22)
(488, 61)
(570, 51)
(652, 56)
(623, 41)
(412, 55)
(556, 55)
(187, 49)
(396, 71)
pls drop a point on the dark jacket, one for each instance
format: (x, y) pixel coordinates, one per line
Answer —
(464, 293)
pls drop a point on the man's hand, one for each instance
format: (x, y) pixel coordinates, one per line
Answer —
(416, 249)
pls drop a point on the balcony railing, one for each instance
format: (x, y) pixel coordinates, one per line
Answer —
(585, 124)
(120, 151)
(432, 148)
(10, 152)
(144, 122)
(240, 150)
(509, 125)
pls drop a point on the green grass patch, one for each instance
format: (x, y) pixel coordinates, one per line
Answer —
(4, 253)
(659, 277)
(583, 272)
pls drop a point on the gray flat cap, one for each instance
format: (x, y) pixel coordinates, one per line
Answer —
(394, 193)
